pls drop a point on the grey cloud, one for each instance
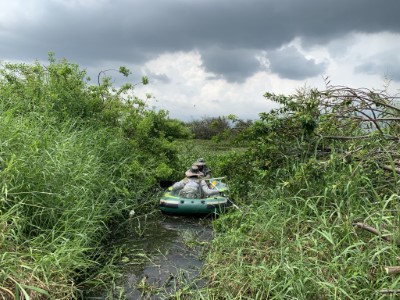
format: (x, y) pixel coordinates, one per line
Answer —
(235, 65)
(290, 63)
(384, 65)
(158, 77)
(136, 31)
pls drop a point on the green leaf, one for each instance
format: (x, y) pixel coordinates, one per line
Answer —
(36, 289)
(124, 71)
(145, 80)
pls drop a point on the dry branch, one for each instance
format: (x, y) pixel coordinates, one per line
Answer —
(389, 168)
(360, 105)
(345, 137)
(376, 232)
(392, 270)
(387, 291)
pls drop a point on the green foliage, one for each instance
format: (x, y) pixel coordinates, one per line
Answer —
(218, 129)
(74, 159)
(312, 170)
(301, 248)
(145, 80)
(124, 71)
(311, 124)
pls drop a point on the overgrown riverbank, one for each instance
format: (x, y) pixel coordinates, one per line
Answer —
(316, 173)
(73, 158)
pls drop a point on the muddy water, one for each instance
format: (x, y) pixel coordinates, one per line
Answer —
(161, 256)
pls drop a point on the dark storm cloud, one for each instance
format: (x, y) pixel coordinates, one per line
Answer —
(386, 65)
(136, 31)
(158, 77)
(236, 65)
(290, 63)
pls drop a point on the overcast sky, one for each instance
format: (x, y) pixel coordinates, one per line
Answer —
(208, 58)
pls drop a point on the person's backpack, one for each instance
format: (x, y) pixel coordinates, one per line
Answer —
(190, 191)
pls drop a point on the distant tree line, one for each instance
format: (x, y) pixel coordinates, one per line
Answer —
(218, 128)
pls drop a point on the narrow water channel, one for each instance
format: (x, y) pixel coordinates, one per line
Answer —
(161, 255)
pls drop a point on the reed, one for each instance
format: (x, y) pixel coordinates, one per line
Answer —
(71, 168)
(297, 239)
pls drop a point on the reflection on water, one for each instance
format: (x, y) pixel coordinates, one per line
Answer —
(162, 255)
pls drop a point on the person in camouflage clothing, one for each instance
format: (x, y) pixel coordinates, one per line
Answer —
(201, 164)
(193, 187)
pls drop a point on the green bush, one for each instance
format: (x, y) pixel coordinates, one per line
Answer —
(74, 159)
(313, 170)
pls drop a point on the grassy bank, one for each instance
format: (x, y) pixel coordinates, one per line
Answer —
(304, 245)
(304, 200)
(74, 159)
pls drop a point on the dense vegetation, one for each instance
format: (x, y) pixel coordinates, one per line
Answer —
(317, 173)
(74, 158)
(309, 178)
(225, 128)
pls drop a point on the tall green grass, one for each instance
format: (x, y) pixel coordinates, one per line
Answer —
(74, 160)
(303, 183)
(297, 239)
(56, 192)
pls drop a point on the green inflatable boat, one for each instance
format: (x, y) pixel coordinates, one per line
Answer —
(171, 203)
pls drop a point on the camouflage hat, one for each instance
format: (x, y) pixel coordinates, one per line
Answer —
(193, 171)
(200, 162)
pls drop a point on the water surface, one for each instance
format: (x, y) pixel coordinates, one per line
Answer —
(161, 255)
